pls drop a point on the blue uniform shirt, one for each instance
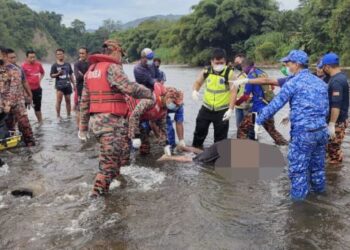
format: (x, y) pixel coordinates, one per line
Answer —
(339, 95)
(308, 100)
(256, 90)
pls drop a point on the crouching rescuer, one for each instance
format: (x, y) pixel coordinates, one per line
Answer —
(166, 99)
(103, 104)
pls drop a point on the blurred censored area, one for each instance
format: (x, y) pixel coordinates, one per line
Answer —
(248, 160)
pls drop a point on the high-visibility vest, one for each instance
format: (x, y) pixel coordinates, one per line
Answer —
(217, 89)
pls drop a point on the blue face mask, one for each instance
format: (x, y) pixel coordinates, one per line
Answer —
(171, 106)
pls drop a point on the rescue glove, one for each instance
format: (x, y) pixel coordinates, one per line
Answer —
(83, 136)
(195, 95)
(331, 130)
(136, 143)
(239, 82)
(257, 130)
(167, 150)
(227, 115)
(182, 143)
(257, 127)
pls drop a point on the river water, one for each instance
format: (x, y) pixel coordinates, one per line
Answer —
(163, 205)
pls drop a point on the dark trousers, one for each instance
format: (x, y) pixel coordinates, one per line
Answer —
(204, 119)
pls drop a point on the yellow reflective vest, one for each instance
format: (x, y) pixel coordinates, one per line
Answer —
(217, 89)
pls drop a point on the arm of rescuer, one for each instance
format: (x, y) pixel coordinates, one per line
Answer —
(256, 81)
(197, 86)
(335, 104)
(84, 109)
(233, 89)
(119, 81)
(162, 132)
(135, 117)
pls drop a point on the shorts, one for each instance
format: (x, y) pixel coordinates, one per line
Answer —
(37, 97)
(66, 90)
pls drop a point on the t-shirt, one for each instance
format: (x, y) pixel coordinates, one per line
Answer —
(338, 92)
(80, 66)
(256, 90)
(33, 73)
(62, 80)
(179, 114)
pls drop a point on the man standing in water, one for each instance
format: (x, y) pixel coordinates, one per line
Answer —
(219, 99)
(14, 98)
(103, 104)
(308, 100)
(65, 83)
(34, 72)
(145, 72)
(338, 92)
(80, 68)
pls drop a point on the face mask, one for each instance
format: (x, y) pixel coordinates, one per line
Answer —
(171, 106)
(219, 67)
(284, 71)
(149, 62)
(289, 73)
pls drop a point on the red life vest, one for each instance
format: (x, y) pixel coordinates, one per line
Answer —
(102, 98)
(157, 112)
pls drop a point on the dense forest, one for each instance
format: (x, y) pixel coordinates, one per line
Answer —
(255, 27)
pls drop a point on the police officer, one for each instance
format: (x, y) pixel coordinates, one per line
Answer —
(103, 104)
(308, 100)
(219, 99)
(338, 92)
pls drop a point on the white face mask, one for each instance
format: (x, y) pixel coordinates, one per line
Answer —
(149, 62)
(219, 67)
(172, 106)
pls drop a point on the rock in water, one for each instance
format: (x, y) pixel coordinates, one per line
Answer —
(20, 192)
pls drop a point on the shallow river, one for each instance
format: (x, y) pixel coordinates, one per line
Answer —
(163, 206)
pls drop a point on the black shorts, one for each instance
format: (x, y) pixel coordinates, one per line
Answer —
(37, 97)
(66, 90)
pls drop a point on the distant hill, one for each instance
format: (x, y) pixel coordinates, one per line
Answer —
(137, 22)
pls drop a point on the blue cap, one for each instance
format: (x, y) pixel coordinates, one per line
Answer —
(329, 59)
(148, 53)
(297, 56)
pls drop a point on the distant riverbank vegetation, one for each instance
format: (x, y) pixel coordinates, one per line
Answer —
(255, 27)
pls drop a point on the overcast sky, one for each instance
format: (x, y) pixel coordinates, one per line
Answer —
(92, 12)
